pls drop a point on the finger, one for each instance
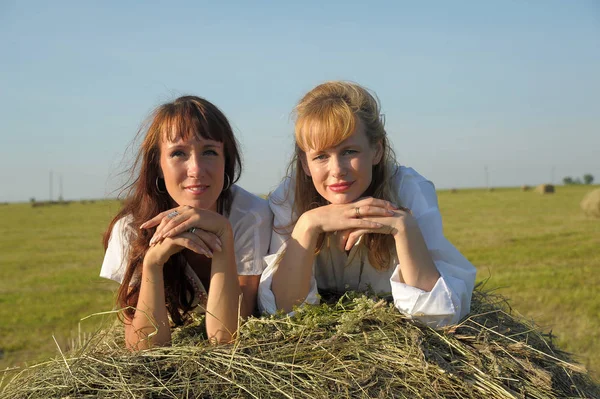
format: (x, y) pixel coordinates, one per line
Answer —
(192, 242)
(369, 210)
(342, 237)
(210, 239)
(355, 224)
(158, 232)
(155, 221)
(355, 237)
(171, 221)
(376, 202)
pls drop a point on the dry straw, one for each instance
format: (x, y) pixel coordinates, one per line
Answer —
(355, 347)
(591, 203)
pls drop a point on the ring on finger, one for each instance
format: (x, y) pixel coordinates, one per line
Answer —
(357, 211)
(172, 214)
(192, 230)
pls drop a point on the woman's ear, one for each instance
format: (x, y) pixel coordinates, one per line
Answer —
(378, 153)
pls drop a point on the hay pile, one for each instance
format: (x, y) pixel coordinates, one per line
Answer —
(591, 203)
(355, 347)
(545, 189)
(525, 187)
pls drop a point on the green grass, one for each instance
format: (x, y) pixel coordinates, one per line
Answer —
(50, 259)
(538, 250)
(541, 252)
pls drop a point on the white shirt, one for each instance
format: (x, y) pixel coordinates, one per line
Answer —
(446, 303)
(251, 221)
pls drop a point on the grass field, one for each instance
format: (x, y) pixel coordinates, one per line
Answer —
(538, 250)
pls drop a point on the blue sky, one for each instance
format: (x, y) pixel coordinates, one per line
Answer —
(511, 85)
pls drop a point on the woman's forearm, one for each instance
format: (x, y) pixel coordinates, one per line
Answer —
(150, 323)
(223, 304)
(416, 265)
(291, 280)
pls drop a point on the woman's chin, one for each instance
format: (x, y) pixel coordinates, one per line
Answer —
(341, 198)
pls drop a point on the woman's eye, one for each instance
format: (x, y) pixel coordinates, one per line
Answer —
(210, 152)
(177, 153)
(319, 157)
(349, 152)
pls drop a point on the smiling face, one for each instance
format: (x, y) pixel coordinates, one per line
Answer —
(193, 169)
(342, 173)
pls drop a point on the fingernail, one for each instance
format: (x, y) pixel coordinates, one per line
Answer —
(390, 212)
(152, 240)
(358, 241)
(143, 225)
(378, 224)
(219, 248)
(219, 241)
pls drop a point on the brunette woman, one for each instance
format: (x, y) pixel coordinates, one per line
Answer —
(188, 238)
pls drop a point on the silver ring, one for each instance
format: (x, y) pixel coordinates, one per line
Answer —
(172, 214)
(357, 211)
(192, 230)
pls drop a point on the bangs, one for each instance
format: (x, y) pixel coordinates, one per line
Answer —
(184, 121)
(325, 125)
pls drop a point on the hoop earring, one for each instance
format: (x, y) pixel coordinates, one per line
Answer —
(158, 187)
(226, 186)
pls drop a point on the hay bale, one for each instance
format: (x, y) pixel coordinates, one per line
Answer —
(545, 189)
(355, 347)
(454, 191)
(591, 203)
(525, 187)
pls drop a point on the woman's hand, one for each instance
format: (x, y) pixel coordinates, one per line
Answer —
(208, 226)
(349, 217)
(158, 254)
(398, 223)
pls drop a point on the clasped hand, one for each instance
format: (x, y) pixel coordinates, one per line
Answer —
(366, 215)
(198, 230)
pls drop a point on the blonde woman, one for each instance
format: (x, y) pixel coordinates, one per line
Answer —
(348, 217)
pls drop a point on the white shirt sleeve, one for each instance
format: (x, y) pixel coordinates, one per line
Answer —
(251, 221)
(281, 206)
(450, 298)
(117, 252)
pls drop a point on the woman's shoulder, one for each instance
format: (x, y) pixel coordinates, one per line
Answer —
(123, 227)
(246, 204)
(409, 177)
(281, 200)
(415, 191)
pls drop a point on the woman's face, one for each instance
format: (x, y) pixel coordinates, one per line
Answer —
(341, 174)
(193, 170)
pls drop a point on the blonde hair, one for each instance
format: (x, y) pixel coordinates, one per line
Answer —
(326, 116)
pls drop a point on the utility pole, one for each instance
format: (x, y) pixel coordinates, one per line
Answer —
(50, 186)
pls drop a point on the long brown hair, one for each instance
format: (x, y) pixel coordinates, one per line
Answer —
(326, 116)
(145, 195)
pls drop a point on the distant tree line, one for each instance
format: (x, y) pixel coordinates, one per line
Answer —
(587, 179)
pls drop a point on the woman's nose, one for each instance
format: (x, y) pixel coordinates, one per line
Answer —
(194, 168)
(338, 167)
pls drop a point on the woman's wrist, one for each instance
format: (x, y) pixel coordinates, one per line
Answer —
(305, 230)
(151, 264)
(402, 230)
